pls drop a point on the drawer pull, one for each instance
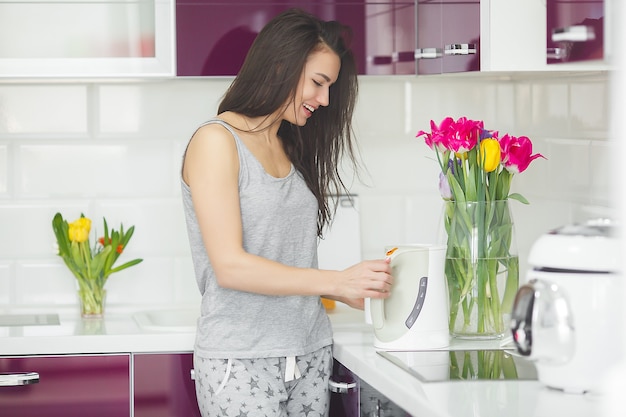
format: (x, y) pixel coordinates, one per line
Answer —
(342, 387)
(19, 378)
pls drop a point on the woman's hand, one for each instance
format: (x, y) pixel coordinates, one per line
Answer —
(367, 279)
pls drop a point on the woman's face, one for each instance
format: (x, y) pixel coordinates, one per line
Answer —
(320, 72)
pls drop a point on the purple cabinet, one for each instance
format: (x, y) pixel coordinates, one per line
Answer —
(213, 37)
(68, 386)
(163, 386)
(575, 30)
(448, 36)
(352, 397)
(390, 38)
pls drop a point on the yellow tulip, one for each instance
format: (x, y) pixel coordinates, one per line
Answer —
(489, 154)
(79, 230)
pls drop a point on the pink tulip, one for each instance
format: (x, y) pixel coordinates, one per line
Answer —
(437, 139)
(464, 134)
(458, 136)
(517, 153)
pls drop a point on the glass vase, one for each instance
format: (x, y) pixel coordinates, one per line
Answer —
(482, 268)
(92, 301)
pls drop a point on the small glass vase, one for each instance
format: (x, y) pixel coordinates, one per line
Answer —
(482, 268)
(92, 302)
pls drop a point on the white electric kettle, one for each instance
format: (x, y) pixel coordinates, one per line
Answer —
(564, 317)
(415, 315)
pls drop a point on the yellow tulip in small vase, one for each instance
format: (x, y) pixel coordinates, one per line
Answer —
(91, 266)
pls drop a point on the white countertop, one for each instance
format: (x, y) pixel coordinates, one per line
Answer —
(119, 332)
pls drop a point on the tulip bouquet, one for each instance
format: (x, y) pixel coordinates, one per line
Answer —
(91, 266)
(477, 167)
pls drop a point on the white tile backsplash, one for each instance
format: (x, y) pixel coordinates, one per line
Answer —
(589, 109)
(114, 149)
(6, 277)
(49, 110)
(4, 169)
(96, 168)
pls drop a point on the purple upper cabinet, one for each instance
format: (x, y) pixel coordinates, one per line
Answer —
(213, 37)
(429, 52)
(390, 38)
(461, 35)
(575, 30)
(448, 36)
(68, 386)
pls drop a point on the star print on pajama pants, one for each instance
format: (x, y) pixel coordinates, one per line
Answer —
(257, 387)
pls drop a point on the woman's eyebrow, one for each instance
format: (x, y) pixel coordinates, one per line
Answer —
(326, 77)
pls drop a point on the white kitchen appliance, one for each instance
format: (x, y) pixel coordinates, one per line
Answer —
(415, 315)
(565, 317)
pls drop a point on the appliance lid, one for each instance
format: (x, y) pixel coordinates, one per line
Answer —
(591, 228)
(591, 246)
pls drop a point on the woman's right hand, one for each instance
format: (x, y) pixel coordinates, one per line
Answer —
(367, 279)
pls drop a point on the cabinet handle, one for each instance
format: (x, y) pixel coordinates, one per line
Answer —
(577, 33)
(556, 53)
(380, 59)
(428, 53)
(193, 374)
(403, 56)
(20, 378)
(341, 387)
(460, 49)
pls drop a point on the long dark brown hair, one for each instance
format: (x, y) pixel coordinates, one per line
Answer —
(269, 78)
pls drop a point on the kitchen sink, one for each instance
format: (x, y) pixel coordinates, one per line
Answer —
(184, 319)
(17, 320)
(170, 320)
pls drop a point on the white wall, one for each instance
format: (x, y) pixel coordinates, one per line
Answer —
(114, 149)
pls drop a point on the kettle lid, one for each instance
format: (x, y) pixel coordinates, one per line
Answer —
(589, 246)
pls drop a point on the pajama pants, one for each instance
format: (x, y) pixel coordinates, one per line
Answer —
(293, 386)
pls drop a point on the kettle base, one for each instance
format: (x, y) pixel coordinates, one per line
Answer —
(415, 341)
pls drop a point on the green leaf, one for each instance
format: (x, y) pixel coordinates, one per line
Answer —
(457, 191)
(60, 228)
(126, 265)
(518, 197)
(99, 261)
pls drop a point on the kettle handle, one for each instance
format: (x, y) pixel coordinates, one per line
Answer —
(377, 305)
(377, 310)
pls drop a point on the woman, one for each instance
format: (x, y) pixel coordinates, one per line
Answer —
(255, 181)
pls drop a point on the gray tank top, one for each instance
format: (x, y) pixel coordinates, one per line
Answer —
(279, 218)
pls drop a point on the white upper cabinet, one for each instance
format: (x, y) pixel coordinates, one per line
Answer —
(92, 38)
(514, 38)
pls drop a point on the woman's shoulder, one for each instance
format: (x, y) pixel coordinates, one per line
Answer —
(216, 129)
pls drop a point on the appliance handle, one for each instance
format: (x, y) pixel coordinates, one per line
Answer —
(377, 310)
(522, 318)
(542, 323)
(18, 379)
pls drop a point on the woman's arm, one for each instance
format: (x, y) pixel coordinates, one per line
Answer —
(211, 169)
